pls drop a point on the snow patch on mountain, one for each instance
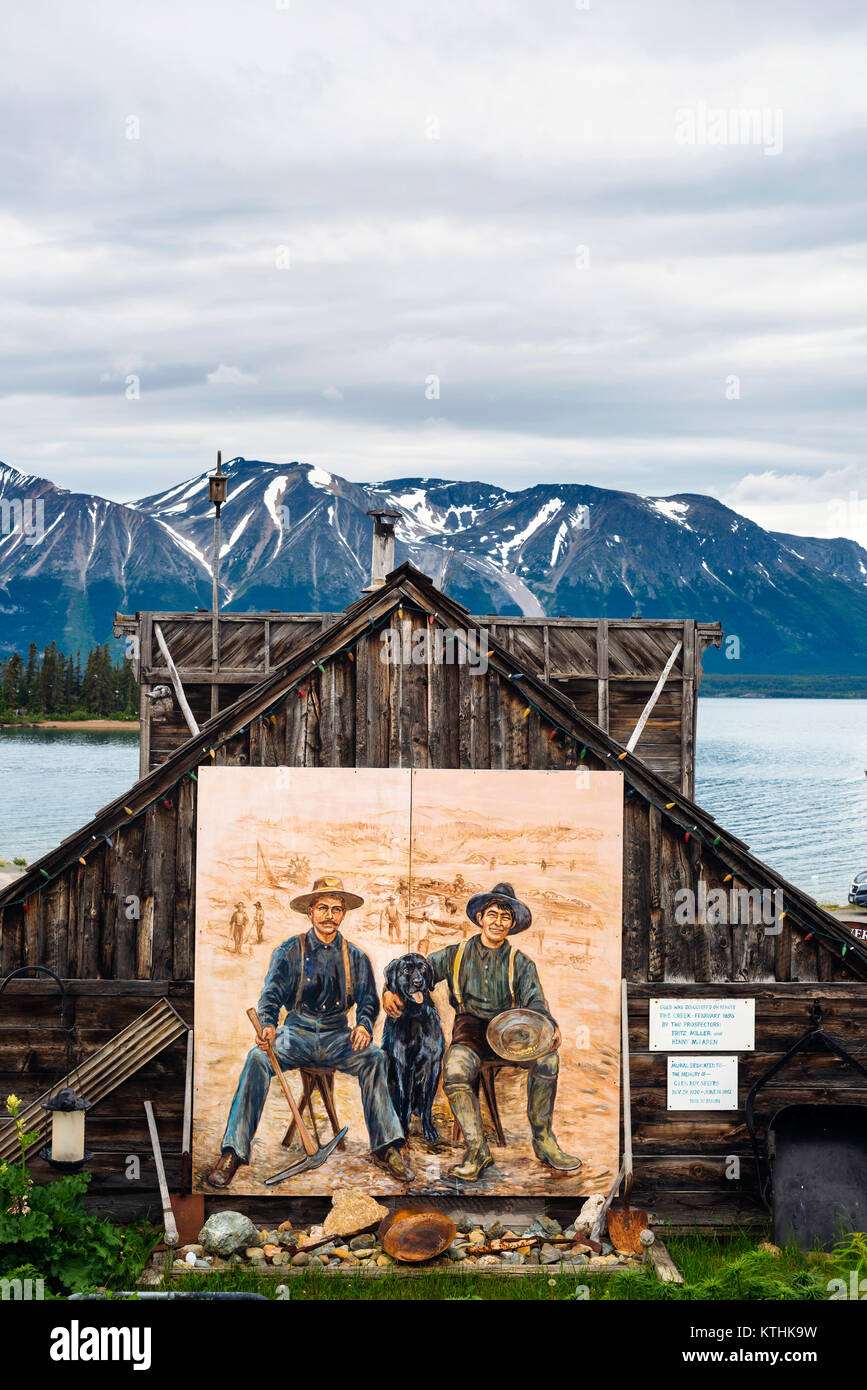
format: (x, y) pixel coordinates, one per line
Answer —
(186, 545)
(672, 511)
(559, 541)
(544, 514)
(236, 534)
(317, 477)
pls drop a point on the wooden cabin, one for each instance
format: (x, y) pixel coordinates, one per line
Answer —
(332, 702)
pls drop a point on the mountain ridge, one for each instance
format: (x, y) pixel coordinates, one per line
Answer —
(298, 538)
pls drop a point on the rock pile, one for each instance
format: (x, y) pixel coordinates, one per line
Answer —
(346, 1240)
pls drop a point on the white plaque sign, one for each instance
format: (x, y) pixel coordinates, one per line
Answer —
(702, 1025)
(702, 1083)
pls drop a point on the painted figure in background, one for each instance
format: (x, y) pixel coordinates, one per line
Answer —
(487, 976)
(259, 920)
(238, 923)
(389, 918)
(317, 978)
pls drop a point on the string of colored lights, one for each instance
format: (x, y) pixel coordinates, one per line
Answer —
(690, 831)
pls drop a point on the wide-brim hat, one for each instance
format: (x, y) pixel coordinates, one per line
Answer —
(502, 893)
(520, 1035)
(328, 886)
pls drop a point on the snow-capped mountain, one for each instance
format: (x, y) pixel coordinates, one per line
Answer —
(297, 538)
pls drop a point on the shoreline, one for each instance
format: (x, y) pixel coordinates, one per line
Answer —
(98, 725)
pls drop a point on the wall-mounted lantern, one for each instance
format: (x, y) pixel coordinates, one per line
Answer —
(66, 1150)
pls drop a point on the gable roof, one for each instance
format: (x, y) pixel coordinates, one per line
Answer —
(407, 587)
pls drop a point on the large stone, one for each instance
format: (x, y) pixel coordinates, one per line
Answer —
(367, 1242)
(589, 1213)
(302, 1258)
(544, 1226)
(226, 1232)
(352, 1212)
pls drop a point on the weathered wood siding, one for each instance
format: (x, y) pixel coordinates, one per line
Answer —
(608, 667)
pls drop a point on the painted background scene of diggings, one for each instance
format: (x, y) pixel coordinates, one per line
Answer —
(265, 834)
(556, 838)
(415, 846)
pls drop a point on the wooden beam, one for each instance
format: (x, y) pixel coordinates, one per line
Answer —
(688, 711)
(666, 1270)
(645, 713)
(176, 681)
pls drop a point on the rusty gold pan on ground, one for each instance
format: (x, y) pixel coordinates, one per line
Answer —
(520, 1035)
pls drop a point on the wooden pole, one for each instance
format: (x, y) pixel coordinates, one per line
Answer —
(187, 1141)
(168, 1215)
(310, 1147)
(176, 680)
(645, 713)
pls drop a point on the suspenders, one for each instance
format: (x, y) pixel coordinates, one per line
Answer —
(456, 974)
(347, 975)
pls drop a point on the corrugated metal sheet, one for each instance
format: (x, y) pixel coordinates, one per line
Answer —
(106, 1069)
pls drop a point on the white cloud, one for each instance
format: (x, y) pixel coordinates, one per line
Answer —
(262, 128)
(230, 376)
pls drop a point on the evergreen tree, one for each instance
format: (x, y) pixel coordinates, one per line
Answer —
(68, 683)
(12, 681)
(51, 680)
(29, 694)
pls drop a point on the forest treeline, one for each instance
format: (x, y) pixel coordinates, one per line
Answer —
(56, 685)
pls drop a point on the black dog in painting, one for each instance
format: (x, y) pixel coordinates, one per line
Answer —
(413, 1043)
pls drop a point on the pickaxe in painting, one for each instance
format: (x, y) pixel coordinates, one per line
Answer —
(314, 1156)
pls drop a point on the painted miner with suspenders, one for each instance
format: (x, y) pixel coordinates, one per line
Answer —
(317, 978)
(487, 977)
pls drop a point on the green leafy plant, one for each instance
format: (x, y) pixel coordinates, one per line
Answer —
(48, 1228)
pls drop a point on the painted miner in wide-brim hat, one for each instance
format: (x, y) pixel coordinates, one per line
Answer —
(326, 887)
(504, 894)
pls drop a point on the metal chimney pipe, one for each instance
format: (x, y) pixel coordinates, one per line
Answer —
(382, 558)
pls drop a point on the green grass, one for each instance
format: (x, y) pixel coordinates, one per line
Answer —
(713, 1267)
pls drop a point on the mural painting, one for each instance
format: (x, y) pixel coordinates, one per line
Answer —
(431, 961)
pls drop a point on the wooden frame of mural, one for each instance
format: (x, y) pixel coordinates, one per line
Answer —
(454, 898)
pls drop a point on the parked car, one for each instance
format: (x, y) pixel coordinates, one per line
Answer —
(858, 891)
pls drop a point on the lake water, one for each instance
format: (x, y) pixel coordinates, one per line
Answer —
(786, 776)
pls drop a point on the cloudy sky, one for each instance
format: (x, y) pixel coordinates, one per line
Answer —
(607, 241)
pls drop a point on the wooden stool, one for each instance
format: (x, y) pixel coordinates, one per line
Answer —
(486, 1086)
(319, 1079)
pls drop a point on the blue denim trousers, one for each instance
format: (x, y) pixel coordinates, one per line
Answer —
(304, 1041)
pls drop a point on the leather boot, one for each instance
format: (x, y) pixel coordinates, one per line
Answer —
(477, 1158)
(541, 1091)
(224, 1169)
